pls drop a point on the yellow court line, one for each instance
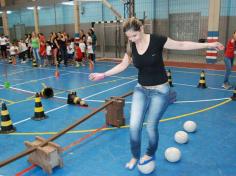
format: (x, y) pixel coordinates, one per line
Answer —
(32, 97)
(9, 101)
(127, 126)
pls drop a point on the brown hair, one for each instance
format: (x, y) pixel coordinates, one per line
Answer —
(131, 24)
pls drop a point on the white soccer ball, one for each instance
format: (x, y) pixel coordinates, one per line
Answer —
(172, 154)
(190, 126)
(147, 168)
(181, 137)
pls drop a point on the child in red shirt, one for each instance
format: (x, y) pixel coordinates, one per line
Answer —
(78, 55)
(229, 60)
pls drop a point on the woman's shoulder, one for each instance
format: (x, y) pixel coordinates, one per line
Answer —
(158, 36)
(158, 39)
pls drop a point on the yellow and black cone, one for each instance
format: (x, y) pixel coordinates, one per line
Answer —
(234, 95)
(34, 63)
(169, 78)
(83, 103)
(74, 99)
(70, 98)
(38, 109)
(202, 81)
(10, 60)
(6, 123)
(47, 92)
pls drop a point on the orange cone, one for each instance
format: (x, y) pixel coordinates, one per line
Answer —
(91, 65)
(6, 123)
(14, 61)
(57, 74)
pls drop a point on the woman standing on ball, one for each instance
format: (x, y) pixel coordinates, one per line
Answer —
(151, 94)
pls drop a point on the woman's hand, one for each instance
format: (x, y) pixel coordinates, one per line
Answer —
(216, 45)
(96, 76)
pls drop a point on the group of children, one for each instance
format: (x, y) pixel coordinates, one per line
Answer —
(79, 53)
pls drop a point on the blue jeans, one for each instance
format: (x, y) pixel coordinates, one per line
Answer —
(37, 56)
(149, 103)
(229, 62)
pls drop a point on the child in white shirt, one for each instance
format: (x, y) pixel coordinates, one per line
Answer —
(48, 60)
(13, 52)
(83, 49)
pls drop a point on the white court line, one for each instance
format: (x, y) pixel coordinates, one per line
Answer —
(35, 80)
(109, 89)
(189, 85)
(67, 104)
(44, 112)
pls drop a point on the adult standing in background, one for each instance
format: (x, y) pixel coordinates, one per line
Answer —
(229, 60)
(35, 47)
(94, 43)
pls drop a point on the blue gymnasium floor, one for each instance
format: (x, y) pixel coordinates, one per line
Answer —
(209, 152)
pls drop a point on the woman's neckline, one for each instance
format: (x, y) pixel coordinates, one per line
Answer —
(149, 38)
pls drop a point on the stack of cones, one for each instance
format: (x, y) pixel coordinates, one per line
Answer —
(72, 98)
(202, 81)
(234, 95)
(38, 109)
(34, 63)
(6, 123)
(169, 78)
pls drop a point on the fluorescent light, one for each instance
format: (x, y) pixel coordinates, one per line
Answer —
(68, 3)
(32, 8)
(72, 2)
(8, 12)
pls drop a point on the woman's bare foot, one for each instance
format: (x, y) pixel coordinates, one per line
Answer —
(131, 164)
(145, 158)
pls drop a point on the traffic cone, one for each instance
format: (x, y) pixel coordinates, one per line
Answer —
(234, 95)
(10, 60)
(169, 78)
(47, 92)
(57, 74)
(38, 109)
(6, 123)
(72, 98)
(14, 61)
(91, 65)
(202, 81)
(34, 63)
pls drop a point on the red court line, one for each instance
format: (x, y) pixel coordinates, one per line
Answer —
(25, 170)
(65, 148)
